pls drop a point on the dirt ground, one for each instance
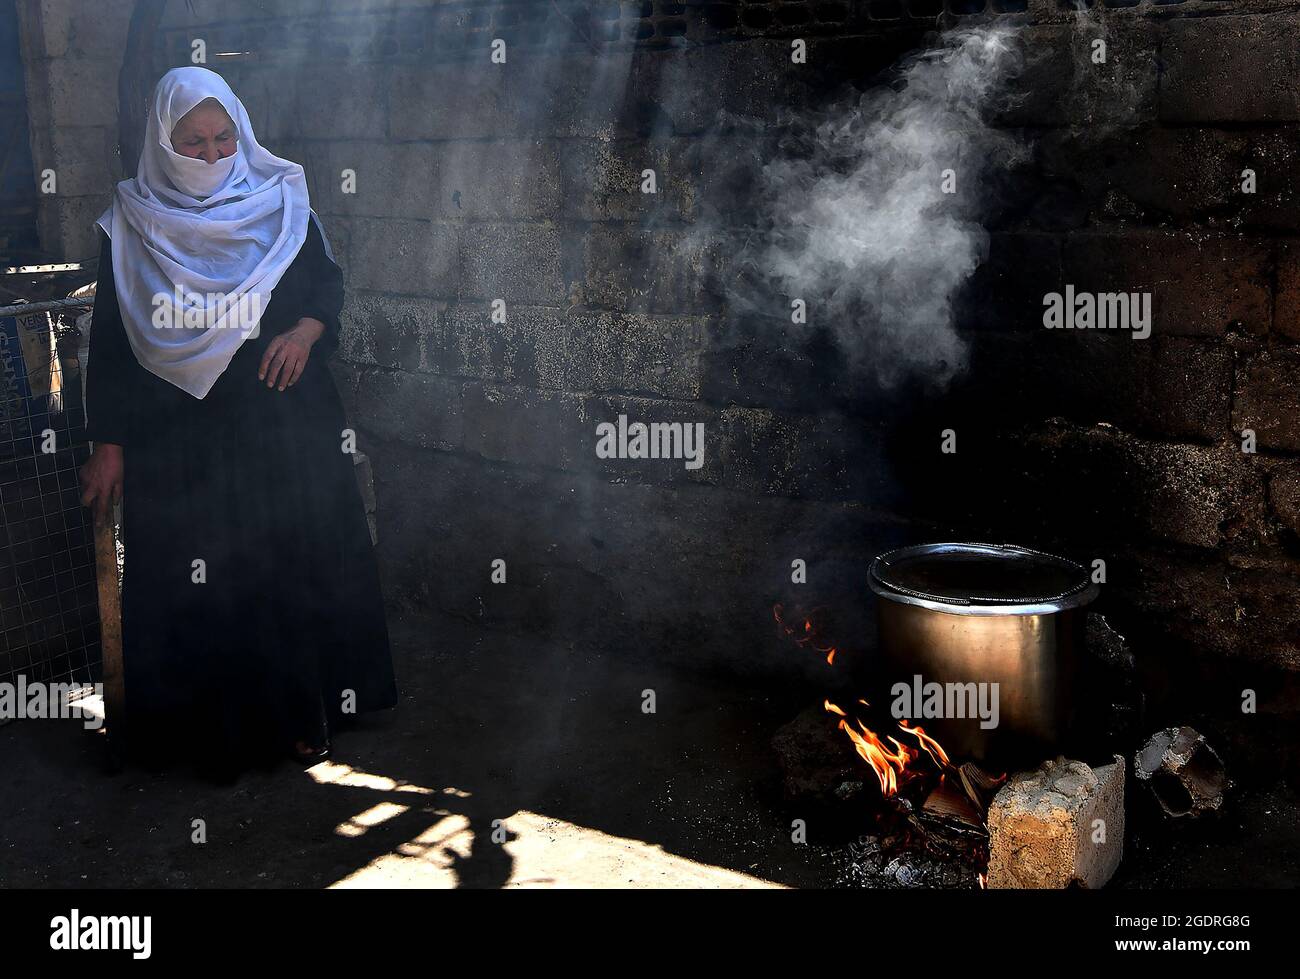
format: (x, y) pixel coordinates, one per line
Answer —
(510, 762)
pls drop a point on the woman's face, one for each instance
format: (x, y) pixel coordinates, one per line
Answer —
(205, 133)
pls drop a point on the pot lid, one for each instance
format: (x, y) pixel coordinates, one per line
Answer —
(997, 576)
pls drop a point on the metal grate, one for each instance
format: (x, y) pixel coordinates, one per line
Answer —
(49, 616)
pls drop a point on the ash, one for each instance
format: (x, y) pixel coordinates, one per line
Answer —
(866, 862)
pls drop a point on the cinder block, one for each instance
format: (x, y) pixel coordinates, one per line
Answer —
(704, 420)
(327, 103)
(83, 91)
(505, 180)
(67, 225)
(95, 30)
(1268, 400)
(603, 180)
(1286, 307)
(524, 426)
(1059, 826)
(1172, 387)
(391, 179)
(514, 262)
(657, 355)
(417, 409)
(822, 456)
(1185, 172)
(1207, 59)
(1198, 496)
(84, 159)
(562, 95)
(1061, 84)
(1006, 290)
(1254, 635)
(450, 101)
(1284, 495)
(653, 271)
(528, 348)
(753, 79)
(1200, 285)
(390, 331)
(419, 258)
(516, 180)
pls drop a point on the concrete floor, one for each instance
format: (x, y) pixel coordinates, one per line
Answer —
(511, 762)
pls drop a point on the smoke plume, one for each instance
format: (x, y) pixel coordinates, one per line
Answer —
(860, 223)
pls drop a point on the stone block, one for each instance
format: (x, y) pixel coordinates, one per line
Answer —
(419, 258)
(83, 91)
(1061, 85)
(1268, 400)
(515, 180)
(1200, 284)
(1060, 826)
(663, 271)
(416, 409)
(1207, 59)
(1284, 495)
(84, 159)
(390, 331)
(515, 262)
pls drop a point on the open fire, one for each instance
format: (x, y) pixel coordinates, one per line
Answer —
(927, 800)
(891, 766)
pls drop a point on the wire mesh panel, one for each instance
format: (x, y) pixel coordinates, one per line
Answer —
(49, 619)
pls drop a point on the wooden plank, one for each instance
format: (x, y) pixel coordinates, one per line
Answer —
(110, 623)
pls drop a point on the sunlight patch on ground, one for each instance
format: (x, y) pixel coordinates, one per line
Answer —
(334, 773)
(358, 824)
(543, 852)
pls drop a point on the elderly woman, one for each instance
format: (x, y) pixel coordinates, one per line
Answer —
(251, 610)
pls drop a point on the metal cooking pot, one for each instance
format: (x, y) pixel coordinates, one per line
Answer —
(1006, 617)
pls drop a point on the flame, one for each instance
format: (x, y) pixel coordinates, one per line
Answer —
(892, 766)
(808, 635)
(931, 746)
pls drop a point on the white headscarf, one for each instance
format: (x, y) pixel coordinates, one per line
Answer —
(189, 229)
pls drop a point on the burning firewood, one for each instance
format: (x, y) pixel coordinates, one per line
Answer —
(980, 786)
(951, 805)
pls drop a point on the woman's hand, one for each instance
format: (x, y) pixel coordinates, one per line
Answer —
(101, 478)
(286, 355)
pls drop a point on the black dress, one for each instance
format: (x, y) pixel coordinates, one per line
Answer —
(280, 629)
